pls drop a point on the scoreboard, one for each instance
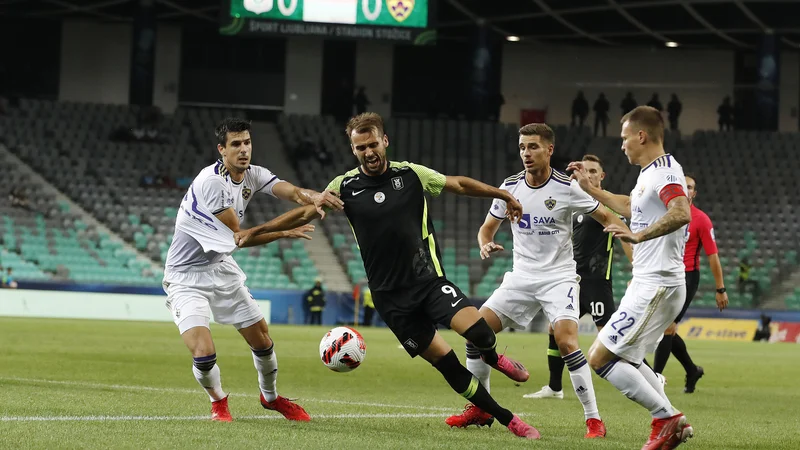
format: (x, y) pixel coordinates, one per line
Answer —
(392, 20)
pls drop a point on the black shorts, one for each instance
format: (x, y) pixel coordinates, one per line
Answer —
(692, 283)
(412, 313)
(597, 299)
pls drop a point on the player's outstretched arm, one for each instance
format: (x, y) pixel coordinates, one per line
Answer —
(678, 214)
(474, 188)
(619, 203)
(607, 217)
(486, 236)
(285, 222)
(266, 238)
(228, 217)
(327, 199)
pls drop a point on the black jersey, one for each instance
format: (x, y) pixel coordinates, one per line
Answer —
(391, 224)
(593, 249)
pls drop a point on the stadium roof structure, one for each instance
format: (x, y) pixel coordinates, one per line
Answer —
(733, 24)
(736, 24)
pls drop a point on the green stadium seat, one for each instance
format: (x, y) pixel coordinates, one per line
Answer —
(475, 253)
(339, 240)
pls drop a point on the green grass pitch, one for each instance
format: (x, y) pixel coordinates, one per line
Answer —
(94, 384)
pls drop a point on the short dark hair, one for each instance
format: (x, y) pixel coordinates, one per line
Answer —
(365, 123)
(648, 119)
(539, 129)
(593, 158)
(691, 175)
(228, 125)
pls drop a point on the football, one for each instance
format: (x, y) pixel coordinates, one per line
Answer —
(342, 349)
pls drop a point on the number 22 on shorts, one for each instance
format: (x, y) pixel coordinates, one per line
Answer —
(623, 316)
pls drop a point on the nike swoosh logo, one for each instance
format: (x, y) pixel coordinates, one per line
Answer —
(456, 302)
(358, 192)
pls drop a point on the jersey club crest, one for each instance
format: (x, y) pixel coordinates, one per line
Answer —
(550, 204)
(400, 9)
(397, 183)
(246, 193)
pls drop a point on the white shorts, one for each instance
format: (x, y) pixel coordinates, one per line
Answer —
(521, 295)
(643, 315)
(194, 294)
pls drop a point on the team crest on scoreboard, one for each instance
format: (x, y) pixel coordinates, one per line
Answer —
(397, 183)
(400, 9)
(246, 193)
(550, 204)
(258, 6)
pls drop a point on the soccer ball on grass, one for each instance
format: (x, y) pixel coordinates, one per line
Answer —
(342, 349)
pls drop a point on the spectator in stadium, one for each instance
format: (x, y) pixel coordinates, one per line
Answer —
(580, 109)
(601, 107)
(763, 332)
(655, 103)
(18, 198)
(369, 306)
(8, 280)
(744, 274)
(360, 100)
(628, 103)
(497, 105)
(725, 113)
(674, 108)
(315, 299)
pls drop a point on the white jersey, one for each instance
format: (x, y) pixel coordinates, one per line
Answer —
(658, 261)
(200, 238)
(543, 236)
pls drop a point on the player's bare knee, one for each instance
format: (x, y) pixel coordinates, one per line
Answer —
(566, 334)
(671, 329)
(595, 361)
(257, 335)
(198, 341)
(598, 356)
(261, 341)
(568, 346)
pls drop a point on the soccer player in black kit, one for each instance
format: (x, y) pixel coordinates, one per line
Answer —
(386, 205)
(593, 251)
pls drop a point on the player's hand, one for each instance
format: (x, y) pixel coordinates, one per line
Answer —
(623, 233)
(327, 199)
(722, 300)
(579, 174)
(513, 210)
(299, 232)
(240, 238)
(490, 247)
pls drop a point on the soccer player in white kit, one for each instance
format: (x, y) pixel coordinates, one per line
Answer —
(544, 274)
(658, 209)
(201, 278)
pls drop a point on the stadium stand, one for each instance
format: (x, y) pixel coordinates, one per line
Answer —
(70, 145)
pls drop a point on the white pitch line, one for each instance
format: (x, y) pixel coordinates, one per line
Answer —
(166, 418)
(123, 387)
